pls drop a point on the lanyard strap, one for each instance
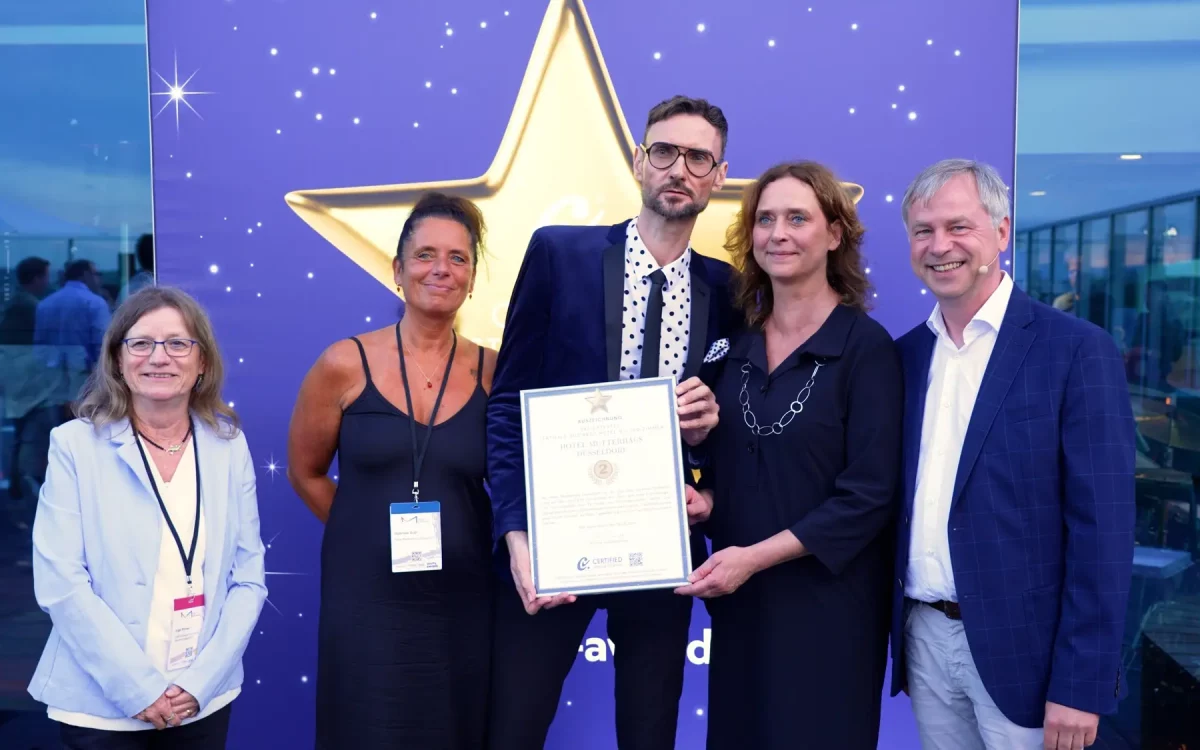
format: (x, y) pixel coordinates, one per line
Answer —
(189, 556)
(420, 451)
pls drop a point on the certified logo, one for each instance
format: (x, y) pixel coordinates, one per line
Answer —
(603, 472)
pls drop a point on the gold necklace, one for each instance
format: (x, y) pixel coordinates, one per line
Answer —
(428, 380)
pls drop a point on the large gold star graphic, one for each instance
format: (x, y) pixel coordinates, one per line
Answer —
(566, 158)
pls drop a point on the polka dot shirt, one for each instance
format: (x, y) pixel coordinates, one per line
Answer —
(676, 313)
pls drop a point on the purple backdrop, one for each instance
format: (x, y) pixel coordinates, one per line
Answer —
(873, 88)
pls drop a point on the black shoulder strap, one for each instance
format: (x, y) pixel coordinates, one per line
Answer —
(479, 372)
(363, 353)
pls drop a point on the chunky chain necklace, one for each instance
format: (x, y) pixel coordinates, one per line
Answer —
(794, 408)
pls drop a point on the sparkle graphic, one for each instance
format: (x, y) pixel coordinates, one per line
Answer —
(177, 93)
(272, 467)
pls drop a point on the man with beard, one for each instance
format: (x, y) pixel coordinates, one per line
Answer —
(600, 304)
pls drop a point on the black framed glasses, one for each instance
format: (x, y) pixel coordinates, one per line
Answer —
(173, 347)
(699, 162)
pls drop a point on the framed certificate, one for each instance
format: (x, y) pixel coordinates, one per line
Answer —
(604, 487)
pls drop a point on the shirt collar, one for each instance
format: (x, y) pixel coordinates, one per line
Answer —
(676, 271)
(990, 315)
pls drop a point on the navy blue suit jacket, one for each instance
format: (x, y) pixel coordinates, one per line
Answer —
(1042, 516)
(564, 328)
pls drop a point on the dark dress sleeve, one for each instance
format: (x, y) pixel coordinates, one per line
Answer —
(863, 499)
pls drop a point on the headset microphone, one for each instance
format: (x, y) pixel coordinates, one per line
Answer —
(984, 268)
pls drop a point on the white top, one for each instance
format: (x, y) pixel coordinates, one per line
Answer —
(954, 379)
(170, 583)
(676, 313)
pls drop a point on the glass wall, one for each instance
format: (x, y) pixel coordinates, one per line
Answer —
(1136, 272)
(75, 198)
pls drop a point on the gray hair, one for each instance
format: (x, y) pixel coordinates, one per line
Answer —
(993, 193)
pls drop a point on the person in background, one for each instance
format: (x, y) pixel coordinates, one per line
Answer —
(75, 316)
(25, 386)
(33, 281)
(147, 554)
(1015, 538)
(803, 485)
(574, 319)
(145, 275)
(403, 650)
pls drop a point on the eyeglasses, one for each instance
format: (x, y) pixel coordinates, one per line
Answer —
(145, 347)
(663, 155)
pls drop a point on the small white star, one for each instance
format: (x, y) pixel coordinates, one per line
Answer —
(272, 467)
(483, 24)
(316, 71)
(320, 116)
(189, 175)
(374, 15)
(298, 93)
(304, 678)
(912, 115)
(310, 274)
(770, 42)
(700, 27)
(241, 360)
(854, 27)
(249, 230)
(213, 268)
(177, 93)
(454, 91)
(506, 12)
(958, 53)
(924, 291)
(332, 72)
(274, 52)
(887, 198)
(852, 110)
(449, 32)
(356, 121)
(229, 289)
(657, 55)
(867, 269)
(929, 42)
(278, 131)
(901, 87)
(428, 84)
(230, 404)
(894, 105)
(699, 711)
(258, 224)
(569, 704)
(416, 124)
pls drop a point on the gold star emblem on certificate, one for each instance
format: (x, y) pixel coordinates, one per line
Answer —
(566, 157)
(599, 401)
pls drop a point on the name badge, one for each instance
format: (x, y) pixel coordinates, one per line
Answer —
(186, 622)
(416, 536)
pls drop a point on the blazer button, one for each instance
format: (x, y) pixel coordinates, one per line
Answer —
(749, 447)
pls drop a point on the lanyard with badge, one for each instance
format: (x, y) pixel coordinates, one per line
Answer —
(187, 616)
(417, 526)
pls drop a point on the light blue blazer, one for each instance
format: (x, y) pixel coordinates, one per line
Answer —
(95, 549)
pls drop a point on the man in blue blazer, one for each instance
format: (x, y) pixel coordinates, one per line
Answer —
(1015, 545)
(592, 305)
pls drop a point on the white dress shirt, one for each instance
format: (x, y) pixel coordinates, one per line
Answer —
(170, 583)
(676, 314)
(954, 378)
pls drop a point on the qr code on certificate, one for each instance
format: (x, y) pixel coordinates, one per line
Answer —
(416, 555)
(635, 559)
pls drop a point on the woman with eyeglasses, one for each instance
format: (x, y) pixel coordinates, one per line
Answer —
(147, 553)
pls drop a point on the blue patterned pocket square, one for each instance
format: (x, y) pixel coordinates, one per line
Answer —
(717, 351)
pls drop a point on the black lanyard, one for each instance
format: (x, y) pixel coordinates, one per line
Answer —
(419, 452)
(189, 556)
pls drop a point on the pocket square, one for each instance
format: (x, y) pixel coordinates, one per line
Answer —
(717, 351)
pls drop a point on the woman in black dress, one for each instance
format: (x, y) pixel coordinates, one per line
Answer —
(403, 657)
(803, 467)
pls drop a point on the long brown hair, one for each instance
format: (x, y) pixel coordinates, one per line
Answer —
(752, 286)
(106, 398)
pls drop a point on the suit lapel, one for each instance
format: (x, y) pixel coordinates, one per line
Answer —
(1012, 344)
(147, 515)
(214, 502)
(614, 290)
(916, 387)
(698, 336)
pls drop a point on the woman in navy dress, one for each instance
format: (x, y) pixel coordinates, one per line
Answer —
(403, 657)
(803, 470)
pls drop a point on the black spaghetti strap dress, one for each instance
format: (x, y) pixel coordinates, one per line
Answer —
(403, 658)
